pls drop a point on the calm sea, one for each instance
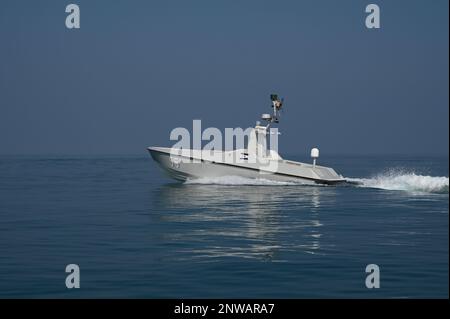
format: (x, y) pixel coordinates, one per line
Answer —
(135, 233)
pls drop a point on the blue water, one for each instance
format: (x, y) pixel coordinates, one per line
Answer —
(135, 233)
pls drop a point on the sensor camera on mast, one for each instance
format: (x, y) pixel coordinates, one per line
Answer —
(276, 105)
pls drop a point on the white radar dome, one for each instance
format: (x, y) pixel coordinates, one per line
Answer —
(315, 153)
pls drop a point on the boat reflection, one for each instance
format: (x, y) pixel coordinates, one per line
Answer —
(261, 222)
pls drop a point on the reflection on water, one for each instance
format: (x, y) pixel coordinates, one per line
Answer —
(260, 222)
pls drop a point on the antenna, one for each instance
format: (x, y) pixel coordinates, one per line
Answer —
(277, 104)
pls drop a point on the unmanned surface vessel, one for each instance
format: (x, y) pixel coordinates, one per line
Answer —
(255, 161)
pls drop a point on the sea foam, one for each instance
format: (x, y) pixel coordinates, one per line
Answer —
(237, 180)
(411, 182)
(392, 180)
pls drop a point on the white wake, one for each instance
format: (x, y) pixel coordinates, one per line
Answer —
(238, 180)
(392, 180)
(411, 182)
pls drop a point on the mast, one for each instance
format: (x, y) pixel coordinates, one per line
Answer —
(258, 142)
(277, 104)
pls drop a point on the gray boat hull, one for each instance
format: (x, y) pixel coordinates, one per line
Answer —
(201, 166)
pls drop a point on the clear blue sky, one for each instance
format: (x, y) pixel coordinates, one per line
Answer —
(137, 69)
